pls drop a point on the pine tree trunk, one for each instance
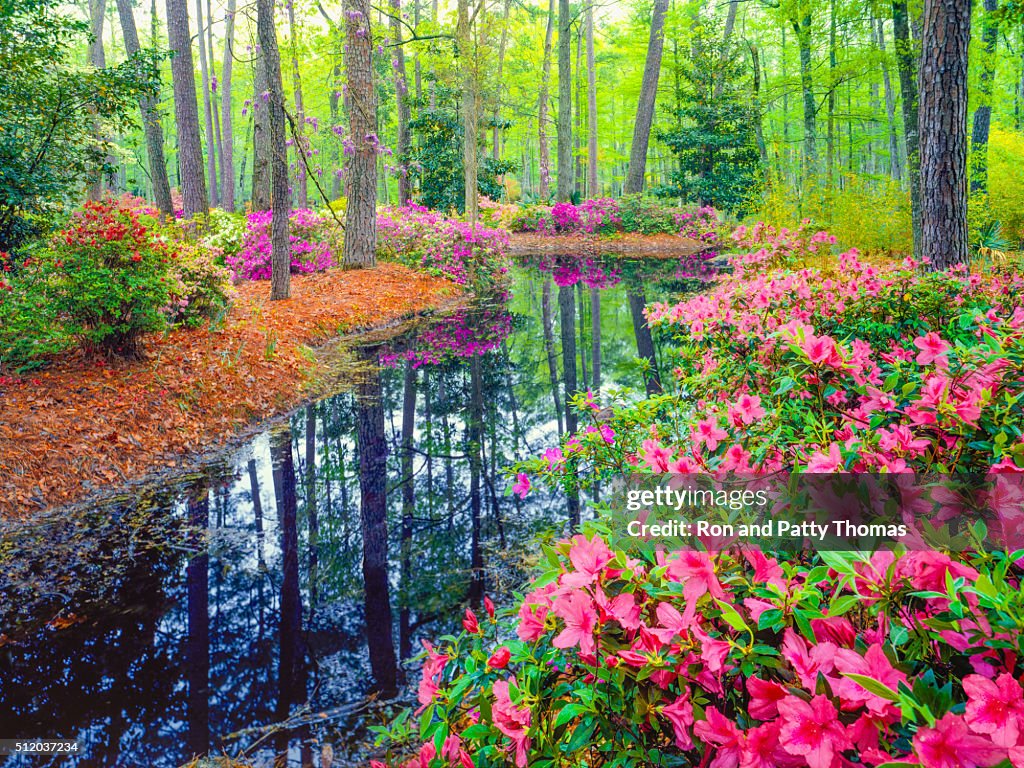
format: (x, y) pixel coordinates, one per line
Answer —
(906, 63)
(648, 97)
(402, 97)
(261, 137)
(802, 27)
(942, 85)
(361, 176)
(217, 135)
(895, 165)
(495, 130)
(565, 168)
(644, 341)
(372, 443)
(408, 510)
(211, 142)
(544, 159)
(592, 189)
(227, 154)
(983, 113)
(470, 111)
(150, 118)
(280, 199)
(300, 182)
(186, 112)
(755, 105)
(567, 326)
(97, 11)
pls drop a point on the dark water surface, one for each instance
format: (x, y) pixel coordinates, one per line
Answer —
(195, 617)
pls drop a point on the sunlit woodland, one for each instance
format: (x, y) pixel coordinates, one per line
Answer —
(533, 383)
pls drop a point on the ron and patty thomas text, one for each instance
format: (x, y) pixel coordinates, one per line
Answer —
(690, 498)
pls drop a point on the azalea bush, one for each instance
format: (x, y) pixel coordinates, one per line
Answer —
(200, 285)
(468, 254)
(314, 243)
(732, 658)
(28, 323)
(607, 216)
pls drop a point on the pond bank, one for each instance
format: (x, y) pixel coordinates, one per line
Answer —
(81, 425)
(660, 246)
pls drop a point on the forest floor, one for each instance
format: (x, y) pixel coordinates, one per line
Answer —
(626, 244)
(81, 425)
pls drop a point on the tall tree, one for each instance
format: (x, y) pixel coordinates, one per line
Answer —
(645, 106)
(565, 166)
(591, 104)
(227, 154)
(204, 72)
(402, 99)
(299, 126)
(97, 12)
(906, 64)
(895, 164)
(260, 136)
(150, 118)
(280, 199)
(186, 111)
(801, 20)
(361, 174)
(942, 84)
(983, 113)
(468, 65)
(544, 160)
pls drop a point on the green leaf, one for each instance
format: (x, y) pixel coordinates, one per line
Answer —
(873, 686)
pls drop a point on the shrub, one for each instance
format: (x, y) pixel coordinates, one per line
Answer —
(28, 324)
(201, 287)
(109, 277)
(606, 216)
(618, 658)
(1006, 182)
(467, 254)
(314, 241)
(225, 233)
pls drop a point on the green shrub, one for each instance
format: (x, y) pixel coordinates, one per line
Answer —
(646, 215)
(201, 286)
(28, 323)
(225, 233)
(109, 278)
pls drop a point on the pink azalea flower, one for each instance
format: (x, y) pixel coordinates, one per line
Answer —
(577, 611)
(749, 409)
(933, 349)
(588, 557)
(950, 744)
(763, 749)
(655, 456)
(719, 730)
(873, 664)
(765, 696)
(709, 433)
(433, 666)
(511, 720)
(824, 463)
(680, 714)
(532, 614)
(522, 485)
(812, 730)
(697, 573)
(995, 707)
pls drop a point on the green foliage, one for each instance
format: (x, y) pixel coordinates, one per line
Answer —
(28, 323)
(1006, 183)
(841, 210)
(200, 285)
(713, 138)
(224, 232)
(646, 215)
(56, 116)
(109, 277)
(437, 159)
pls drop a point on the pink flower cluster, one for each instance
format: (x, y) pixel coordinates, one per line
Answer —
(731, 659)
(313, 241)
(464, 253)
(466, 333)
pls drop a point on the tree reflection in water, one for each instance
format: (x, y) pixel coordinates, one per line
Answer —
(269, 587)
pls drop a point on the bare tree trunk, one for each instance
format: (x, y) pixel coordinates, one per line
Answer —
(544, 159)
(895, 164)
(830, 141)
(644, 341)
(591, 105)
(373, 505)
(261, 137)
(299, 182)
(211, 142)
(648, 98)
(186, 111)
(802, 27)
(150, 118)
(361, 176)
(906, 63)
(470, 110)
(227, 154)
(983, 113)
(402, 97)
(730, 24)
(942, 85)
(97, 11)
(495, 130)
(280, 200)
(197, 653)
(755, 103)
(565, 168)
(218, 137)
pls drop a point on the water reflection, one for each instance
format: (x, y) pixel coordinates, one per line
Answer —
(297, 577)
